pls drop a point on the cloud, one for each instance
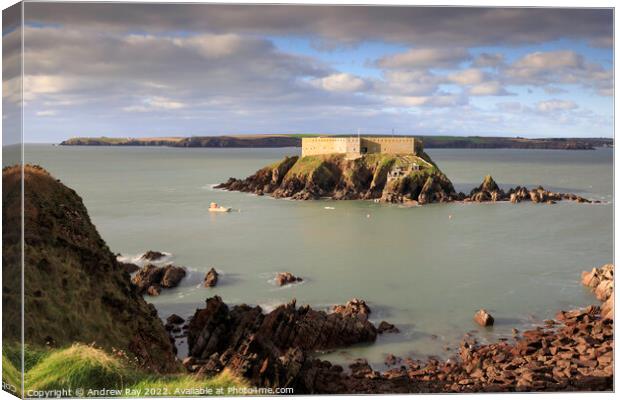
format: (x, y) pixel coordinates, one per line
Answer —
(491, 88)
(489, 60)
(433, 26)
(425, 58)
(559, 67)
(46, 113)
(340, 82)
(468, 76)
(556, 105)
(155, 104)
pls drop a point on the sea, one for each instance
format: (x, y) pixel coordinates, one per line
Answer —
(425, 269)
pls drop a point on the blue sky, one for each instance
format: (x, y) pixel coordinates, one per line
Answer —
(178, 70)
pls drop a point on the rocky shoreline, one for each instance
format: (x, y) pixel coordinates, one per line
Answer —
(404, 179)
(572, 352)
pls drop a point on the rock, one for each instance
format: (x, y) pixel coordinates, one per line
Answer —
(483, 318)
(151, 278)
(607, 309)
(386, 327)
(129, 267)
(172, 276)
(360, 368)
(391, 360)
(152, 255)
(354, 307)
(175, 319)
(285, 278)
(273, 347)
(211, 278)
(153, 290)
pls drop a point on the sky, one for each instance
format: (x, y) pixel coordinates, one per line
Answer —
(144, 70)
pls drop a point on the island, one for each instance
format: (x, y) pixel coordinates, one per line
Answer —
(383, 169)
(295, 140)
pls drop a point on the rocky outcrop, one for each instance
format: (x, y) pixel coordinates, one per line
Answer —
(286, 278)
(601, 282)
(152, 255)
(389, 178)
(483, 318)
(129, 267)
(407, 179)
(386, 327)
(353, 308)
(211, 278)
(151, 278)
(270, 349)
(76, 290)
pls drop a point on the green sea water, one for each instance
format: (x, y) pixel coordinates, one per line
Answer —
(425, 269)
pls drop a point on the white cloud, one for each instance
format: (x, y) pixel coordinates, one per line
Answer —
(467, 76)
(491, 88)
(340, 82)
(489, 60)
(155, 104)
(46, 113)
(556, 105)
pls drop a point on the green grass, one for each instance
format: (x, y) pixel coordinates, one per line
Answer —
(80, 366)
(10, 374)
(90, 368)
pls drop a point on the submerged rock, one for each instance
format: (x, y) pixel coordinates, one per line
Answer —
(285, 278)
(386, 327)
(152, 255)
(211, 278)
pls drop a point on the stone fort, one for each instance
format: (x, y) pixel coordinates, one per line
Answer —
(356, 146)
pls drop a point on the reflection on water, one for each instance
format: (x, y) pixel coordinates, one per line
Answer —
(418, 268)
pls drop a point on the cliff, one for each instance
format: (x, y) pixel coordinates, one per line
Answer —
(75, 290)
(385, 177)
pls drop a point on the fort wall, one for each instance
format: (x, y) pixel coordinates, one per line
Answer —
(354, 147)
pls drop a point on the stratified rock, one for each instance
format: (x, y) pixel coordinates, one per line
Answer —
(386, 327)
(285, 278)
(152, 255)
(271, 349)
(483, 318)
(211, 278)
(354, 307)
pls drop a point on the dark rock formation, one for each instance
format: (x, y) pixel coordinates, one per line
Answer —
(76, 290)
(271, 349)
(175, 319)
(390, 178)
(483, 318)
(151, 278)
(129, 267)
(211, 278)
(386, 327)
(285, 278)
(152, 255)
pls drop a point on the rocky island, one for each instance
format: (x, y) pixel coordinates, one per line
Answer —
(374, 169)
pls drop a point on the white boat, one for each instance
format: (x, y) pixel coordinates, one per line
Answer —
(214, 207)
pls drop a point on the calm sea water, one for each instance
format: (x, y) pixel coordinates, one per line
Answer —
(417, 267)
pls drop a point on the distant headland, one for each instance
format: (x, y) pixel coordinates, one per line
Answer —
(295, 140)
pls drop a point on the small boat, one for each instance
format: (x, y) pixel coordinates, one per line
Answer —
(214, 207)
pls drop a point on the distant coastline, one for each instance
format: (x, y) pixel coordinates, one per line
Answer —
(266, 141)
